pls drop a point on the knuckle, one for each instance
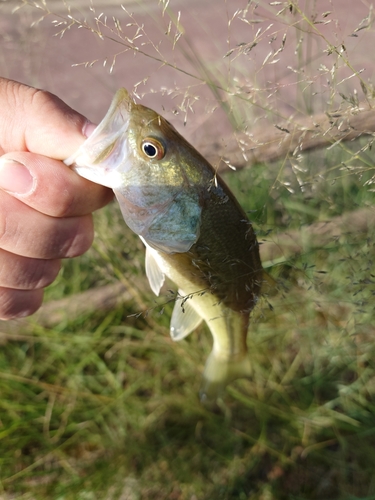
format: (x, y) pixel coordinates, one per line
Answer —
(39, 274)
(38, 236)
(64, 203)
(51, 270)
(9, 229)
(41, 98)
(49, 103)
(81, 237)
(19, 303)
(23, 273)
(7, 305)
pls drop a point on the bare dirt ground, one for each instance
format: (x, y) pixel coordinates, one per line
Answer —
(33, 52)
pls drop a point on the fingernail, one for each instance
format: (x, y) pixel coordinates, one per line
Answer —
(15, 177)
(88, 128)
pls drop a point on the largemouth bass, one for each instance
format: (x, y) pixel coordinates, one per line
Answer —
(194, 230)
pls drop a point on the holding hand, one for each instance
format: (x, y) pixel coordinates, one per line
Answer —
(45, 208)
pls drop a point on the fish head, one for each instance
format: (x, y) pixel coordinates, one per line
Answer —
(152, 169)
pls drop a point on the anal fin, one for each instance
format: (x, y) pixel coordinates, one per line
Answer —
(184, 318)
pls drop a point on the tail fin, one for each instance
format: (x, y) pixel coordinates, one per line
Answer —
(219, 372)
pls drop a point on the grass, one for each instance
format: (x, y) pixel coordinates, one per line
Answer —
(106, 406)
(107, 403)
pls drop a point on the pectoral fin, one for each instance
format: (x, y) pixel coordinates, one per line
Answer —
(154, 274)
(184, 318)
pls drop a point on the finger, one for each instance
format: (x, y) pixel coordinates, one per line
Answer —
(28, 233)
(49, 186)
(19, 303)
(22, 273)
(37, 121)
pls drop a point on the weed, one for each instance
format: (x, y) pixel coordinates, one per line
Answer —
(105, 405)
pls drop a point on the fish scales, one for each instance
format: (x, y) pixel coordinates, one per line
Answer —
(233, 278)
(195, 231)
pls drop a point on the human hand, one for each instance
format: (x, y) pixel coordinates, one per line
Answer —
(45, 207)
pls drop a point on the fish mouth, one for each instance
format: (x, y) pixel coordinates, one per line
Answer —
(100, 157)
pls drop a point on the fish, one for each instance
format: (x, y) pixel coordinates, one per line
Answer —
(194, 230)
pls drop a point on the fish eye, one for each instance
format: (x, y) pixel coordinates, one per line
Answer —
(153, 148)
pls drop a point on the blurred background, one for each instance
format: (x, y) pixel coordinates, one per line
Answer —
(96, 401)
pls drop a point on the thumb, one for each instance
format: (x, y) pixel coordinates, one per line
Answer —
(37, 121)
